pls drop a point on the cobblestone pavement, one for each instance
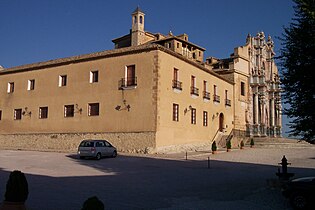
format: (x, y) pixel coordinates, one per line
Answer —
(241, 179)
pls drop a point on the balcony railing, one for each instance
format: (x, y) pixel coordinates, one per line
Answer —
(216, 98)
(206, 95)
(227, 102)
(177, 85)
(194, 91)
(125, 83)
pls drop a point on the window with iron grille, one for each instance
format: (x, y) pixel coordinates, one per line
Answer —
(205, 118)
(17, 114)
(93, 109)
(193, 116)
(175, 112)
(69, 111)
(43, 112)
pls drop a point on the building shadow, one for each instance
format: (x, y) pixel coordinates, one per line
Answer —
(143, 182)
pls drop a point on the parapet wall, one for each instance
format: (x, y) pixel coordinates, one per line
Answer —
(138, 142)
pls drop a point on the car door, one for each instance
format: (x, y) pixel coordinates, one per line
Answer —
(108, 148)
(101, 148)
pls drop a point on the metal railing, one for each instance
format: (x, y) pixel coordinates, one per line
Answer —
(194, 91)
(127, 82)
(177, 85)
(227, 102)
(216, 98)
(206, 95)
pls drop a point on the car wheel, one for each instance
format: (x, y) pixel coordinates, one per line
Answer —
(298, 201)
(114, 154)
(98, 156)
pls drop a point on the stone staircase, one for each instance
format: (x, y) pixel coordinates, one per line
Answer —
(268, 142)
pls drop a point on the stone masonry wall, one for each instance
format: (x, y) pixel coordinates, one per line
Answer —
(140, 142)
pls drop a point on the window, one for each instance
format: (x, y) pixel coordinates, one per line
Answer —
(93, 109)
(175, 75)
(93, 76)
(227, 100)
(216, 98)
(193, 116)
(43, 112)
(10, 87)
(129, 81)
(31, 84)
(141, 19)
(242, 88)
(205, 118)
(193, 89)
(131, 75)
(175, 112)
(17, 114)
(69, 111)
(206, 94)
(62, 80)
(176, 83)
(0, 114)
(193, 81)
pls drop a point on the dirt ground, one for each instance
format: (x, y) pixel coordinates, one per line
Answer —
(241, 179)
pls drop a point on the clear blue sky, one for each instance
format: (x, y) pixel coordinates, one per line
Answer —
(40, 30)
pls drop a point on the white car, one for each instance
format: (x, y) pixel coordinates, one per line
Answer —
(96, 149)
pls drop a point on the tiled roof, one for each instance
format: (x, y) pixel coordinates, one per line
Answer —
(137, 10)
(107, 54)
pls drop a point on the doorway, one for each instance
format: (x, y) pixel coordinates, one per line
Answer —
(221, 122)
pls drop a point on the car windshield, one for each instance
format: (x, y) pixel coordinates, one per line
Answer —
(87, 144)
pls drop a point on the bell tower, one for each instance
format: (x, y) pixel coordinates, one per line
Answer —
(137, 30)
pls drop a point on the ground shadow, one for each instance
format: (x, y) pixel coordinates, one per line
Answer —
(140, 182)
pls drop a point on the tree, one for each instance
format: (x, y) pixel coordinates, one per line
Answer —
(297, 61)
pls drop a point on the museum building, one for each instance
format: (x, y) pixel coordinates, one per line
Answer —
(151, 93)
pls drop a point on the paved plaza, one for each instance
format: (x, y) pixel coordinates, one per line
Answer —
(241, 179)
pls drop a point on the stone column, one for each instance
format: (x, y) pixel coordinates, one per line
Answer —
(272, 111)
(263, 117)
(256, 107)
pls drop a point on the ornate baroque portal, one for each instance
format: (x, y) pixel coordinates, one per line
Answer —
(264, 108)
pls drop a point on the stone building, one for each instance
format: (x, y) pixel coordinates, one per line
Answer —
(152, 93)
(255, 74)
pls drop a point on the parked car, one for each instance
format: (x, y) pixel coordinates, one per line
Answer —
(301, 192)
(96, 149)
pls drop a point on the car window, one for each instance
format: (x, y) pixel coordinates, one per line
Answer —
(86, 144)
(107, 144)
(100, 144)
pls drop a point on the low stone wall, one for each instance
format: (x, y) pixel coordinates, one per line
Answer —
(137, 142)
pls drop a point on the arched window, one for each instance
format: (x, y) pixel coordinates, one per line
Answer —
(135, 19)
(141, 19)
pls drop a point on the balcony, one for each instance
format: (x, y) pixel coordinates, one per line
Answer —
(177, 85)
(227, 102)
(194, 91)
(127, 83)
(216, 98)
(206, 95)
